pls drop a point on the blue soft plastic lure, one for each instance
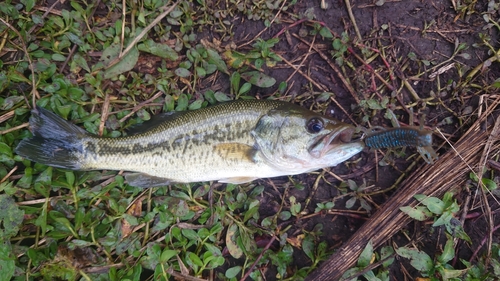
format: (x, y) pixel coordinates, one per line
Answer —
(399, 137)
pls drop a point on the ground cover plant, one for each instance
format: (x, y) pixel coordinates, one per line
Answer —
(111, 65)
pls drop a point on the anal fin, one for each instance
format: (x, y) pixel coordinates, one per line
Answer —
(237, 180)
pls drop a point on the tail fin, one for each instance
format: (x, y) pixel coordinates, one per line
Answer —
(55, 142)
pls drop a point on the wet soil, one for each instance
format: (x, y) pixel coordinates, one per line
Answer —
(414, 36)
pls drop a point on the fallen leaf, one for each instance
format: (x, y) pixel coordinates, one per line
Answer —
(296, 241)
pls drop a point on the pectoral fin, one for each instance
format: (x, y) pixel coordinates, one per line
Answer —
(235, 152)
(237, 180)
(145, 180)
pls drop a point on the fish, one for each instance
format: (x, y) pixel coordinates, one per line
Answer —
(232, 142)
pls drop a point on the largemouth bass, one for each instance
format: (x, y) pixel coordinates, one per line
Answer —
(232, 142)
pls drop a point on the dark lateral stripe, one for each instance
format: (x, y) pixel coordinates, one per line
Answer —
(180, 143)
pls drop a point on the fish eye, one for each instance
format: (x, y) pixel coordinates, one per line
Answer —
(314, 125)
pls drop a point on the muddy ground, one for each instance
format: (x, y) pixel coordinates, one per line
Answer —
(410, 34)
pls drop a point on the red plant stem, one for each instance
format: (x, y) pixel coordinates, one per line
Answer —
(288, 27)
(258, 258)
(481, 245)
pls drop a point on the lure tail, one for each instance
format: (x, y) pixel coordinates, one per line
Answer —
(55, 142)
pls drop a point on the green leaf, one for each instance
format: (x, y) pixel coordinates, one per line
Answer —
(235, 82)
(5, 149)
(267, 222)
(190, 234)
(337, 44)
(373, 104)
(250, 213)
(456, 229)
(258, 63)
(435, 205)
(233, 271)
(489, 184)
(447, 274)
(366, 255)
(325, 32)
(350, 272)
(125, 63)
(496, 84)
(8, 188)
(245, 88)
(284, 215)
(58, 57)
(37, 19)
(7, 261)
(445, 218)
(44, 179)
(11, 217)
(386, 252)
(201, 191)
(16, 76)
(29, 4)
(258, 79)
(9, 102)
(25, 181)
(221, 97)
(473, 177)
(158, 49)
(308, 246)
(182, 102)
(200, 71)
(215, 58)
(70, 178)
(79, 243)
(64, 110)
(79, 61)
(182, 72)
(282, 87)
(41, 221)
(414, 213)
(350, 203)
(418, 259)
(352, 185)
(448, 252)
(166, 255)
(329, 205)
(75, 39)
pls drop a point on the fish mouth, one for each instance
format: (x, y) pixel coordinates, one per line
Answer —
(339, 141)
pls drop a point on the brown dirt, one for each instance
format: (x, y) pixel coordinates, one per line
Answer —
(429, 29)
